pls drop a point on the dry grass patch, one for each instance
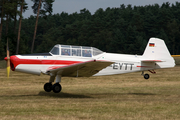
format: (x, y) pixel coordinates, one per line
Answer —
(126, 96)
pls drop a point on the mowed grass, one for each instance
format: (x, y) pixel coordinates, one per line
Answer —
(2, 64)
(124, 97)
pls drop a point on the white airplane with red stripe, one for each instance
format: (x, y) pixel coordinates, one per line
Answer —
(82, 61)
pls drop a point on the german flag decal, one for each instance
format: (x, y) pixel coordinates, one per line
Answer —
(151, 44)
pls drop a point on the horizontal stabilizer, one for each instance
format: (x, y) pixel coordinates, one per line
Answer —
(151, 60)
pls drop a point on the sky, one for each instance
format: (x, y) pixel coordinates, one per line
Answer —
(72, 6)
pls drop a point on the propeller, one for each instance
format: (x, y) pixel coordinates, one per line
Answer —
(8, 61)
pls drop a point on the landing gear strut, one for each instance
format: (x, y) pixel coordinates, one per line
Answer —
(56, 87)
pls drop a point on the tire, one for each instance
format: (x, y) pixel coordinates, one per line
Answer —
(56, 88)
(146, 76)
(48, 87)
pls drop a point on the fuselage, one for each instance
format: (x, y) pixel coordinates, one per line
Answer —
(37, 63)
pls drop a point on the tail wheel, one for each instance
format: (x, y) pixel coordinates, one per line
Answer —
(48, 87)
(56, 88)
(146, 76)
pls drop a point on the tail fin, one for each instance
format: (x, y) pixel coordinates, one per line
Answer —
(156, 51)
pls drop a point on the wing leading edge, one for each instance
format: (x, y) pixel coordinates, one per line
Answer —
(83, 69)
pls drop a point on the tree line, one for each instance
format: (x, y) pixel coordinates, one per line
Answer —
(9, 10)
(125, 29)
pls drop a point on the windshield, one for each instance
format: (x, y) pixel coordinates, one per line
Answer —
(55, 50)
(96, 51)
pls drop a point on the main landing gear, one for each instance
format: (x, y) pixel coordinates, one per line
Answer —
(56, 87)
(147, 76)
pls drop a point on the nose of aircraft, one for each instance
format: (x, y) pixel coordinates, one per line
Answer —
(12, 61)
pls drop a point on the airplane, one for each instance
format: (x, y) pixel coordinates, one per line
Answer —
(83, 61)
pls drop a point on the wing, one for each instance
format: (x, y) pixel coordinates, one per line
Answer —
(84, 69)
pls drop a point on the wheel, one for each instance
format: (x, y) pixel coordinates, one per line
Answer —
(56, 88)
(48, 87)
(146, 76)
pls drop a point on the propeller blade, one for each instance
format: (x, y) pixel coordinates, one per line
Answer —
(8, 71)
(8, 61)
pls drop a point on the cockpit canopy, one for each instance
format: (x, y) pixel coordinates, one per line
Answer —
(69, 50)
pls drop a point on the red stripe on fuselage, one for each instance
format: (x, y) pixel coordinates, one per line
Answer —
(143, 66)
(17, 61)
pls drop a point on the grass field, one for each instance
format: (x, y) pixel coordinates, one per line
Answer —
(124, 97)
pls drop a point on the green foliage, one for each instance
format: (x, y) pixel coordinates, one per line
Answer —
(120, 30)
(47, 6)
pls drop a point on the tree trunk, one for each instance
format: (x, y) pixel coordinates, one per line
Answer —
(19, 30)
(7, 24)
(15, 20)
(36, 26)
(1, 20)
